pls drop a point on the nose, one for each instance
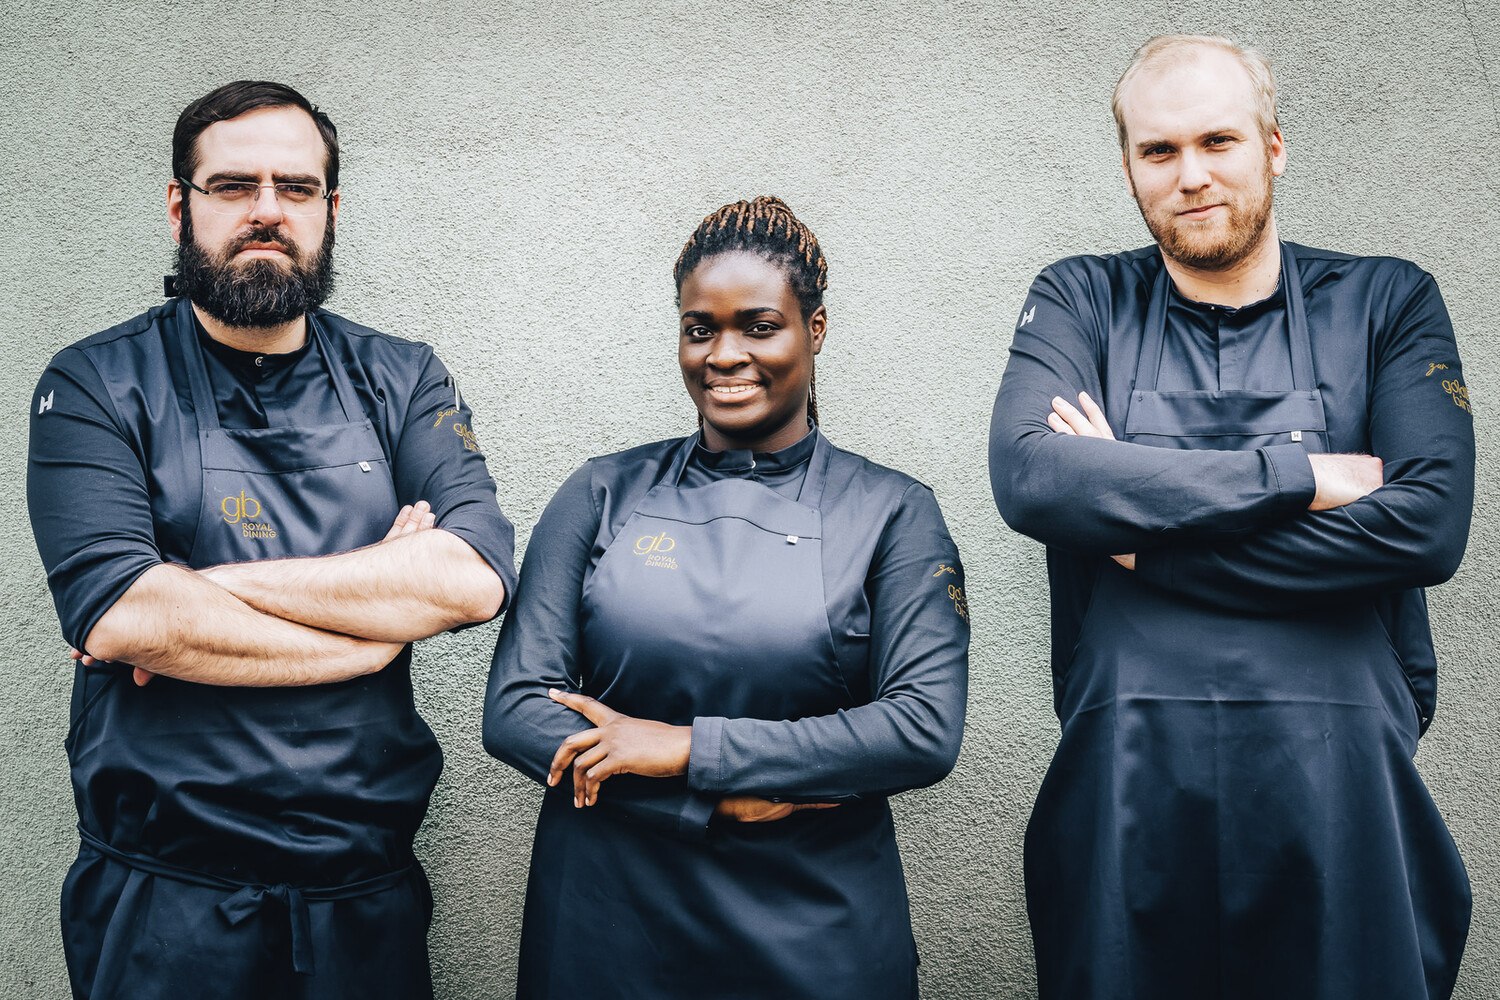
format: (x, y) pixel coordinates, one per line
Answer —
(267, 207)
(1193, 174)
(728, 351)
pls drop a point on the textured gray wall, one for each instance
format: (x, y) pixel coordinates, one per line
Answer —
(535, 169)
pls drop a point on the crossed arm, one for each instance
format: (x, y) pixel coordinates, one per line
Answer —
(272, 623)
(1339, 479)
(1224, 527)
(286, 622)
(906, 736)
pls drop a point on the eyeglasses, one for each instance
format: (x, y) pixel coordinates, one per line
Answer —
(240, 197)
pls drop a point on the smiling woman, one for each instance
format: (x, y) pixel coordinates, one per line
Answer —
(726, 652)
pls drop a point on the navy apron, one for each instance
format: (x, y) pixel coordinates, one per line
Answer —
(710, 602)
(253, 842)
(1233, 811)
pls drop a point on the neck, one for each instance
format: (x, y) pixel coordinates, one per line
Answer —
(280, 339)
(1248, 280)
(716, 440)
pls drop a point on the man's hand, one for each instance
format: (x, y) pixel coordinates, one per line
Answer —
(619, 745)
(1343, 479)
(753, 809)
(141, 677)
(411, 519)
(1066, 418)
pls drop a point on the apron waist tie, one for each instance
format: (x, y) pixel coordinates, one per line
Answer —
(246, 899)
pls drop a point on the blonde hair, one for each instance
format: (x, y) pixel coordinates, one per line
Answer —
(1177, 48)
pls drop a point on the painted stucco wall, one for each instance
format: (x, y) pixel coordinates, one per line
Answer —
(518, 180)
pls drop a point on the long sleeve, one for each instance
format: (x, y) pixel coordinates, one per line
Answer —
(439, 460)
(908, 735)
(87, 495)
(1104, 497)
(539, 648)
(1409, 533)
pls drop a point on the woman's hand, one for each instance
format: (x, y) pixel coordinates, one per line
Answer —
(619, 745)
(753, 809)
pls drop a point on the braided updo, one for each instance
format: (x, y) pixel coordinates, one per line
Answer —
(766, 227)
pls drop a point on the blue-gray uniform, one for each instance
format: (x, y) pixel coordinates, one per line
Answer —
(1233, 810)
(255, 839)
(804, 612)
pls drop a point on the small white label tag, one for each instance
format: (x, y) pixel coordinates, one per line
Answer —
(364, 466)
(1296, 436)
(791, 539)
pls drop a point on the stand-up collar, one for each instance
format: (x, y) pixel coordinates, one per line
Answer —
(743, 460)
(249, 364)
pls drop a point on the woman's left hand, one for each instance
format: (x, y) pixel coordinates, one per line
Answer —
(618, 745)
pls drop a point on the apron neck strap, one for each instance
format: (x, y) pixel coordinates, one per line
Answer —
(204, 405)
(1148, 361)
(1304, 376)
(811, 494)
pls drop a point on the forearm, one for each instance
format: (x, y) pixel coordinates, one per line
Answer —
(176, 623)
(881, 748)
(399, 590)
(1106, 497)
(1400, 537)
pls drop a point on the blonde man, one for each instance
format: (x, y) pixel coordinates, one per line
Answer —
(1246, 458)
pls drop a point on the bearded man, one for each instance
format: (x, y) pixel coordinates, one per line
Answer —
(1246, 459)
(248, 508)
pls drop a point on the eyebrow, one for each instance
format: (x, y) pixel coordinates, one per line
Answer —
(699, 314)
(240, 175)
(1144, 145)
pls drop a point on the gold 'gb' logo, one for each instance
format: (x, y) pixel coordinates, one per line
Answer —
(240, 508)
(648, 544)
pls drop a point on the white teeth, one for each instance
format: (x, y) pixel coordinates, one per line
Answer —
(731, 390)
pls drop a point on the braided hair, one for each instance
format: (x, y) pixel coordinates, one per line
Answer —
(767, 228)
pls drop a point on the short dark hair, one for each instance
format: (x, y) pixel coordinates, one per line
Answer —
(238, 98)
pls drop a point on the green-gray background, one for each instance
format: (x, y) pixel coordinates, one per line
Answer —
(518, 180)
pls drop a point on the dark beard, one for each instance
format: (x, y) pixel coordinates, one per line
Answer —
(258, 293)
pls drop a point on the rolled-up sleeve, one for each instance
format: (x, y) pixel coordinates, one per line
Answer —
(87, 495)
(439, 460)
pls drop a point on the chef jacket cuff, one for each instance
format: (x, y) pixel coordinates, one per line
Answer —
(692, 822)
(705, 756)
(1292, 471)
(495, 545)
